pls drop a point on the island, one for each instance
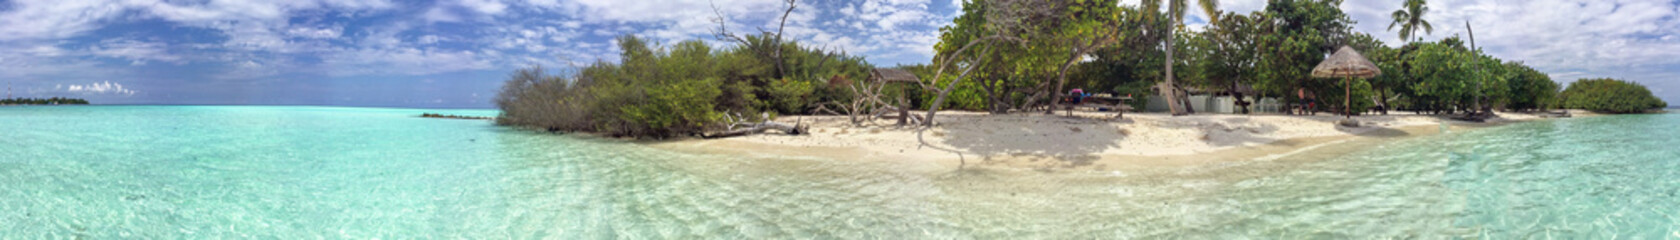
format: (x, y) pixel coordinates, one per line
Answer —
(43, 101)
(1055, 92)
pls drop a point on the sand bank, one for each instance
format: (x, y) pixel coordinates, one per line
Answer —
(1086, 141)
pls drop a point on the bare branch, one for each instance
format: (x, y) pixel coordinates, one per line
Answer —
(722, 32)
(780, 66)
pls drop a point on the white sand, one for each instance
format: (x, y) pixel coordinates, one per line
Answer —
(1089, 138)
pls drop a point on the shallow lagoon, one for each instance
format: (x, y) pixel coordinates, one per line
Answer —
(307, 172)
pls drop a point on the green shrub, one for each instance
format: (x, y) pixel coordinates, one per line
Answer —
(1332, 98)
(533, 98)
(1529, 88)
(1609, 95)
(673, 109)
(657, 93)
(789, 96)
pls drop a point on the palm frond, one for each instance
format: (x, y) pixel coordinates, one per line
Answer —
(1211, 8)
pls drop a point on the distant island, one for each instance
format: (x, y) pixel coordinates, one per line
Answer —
(43, 101)
(435, 115)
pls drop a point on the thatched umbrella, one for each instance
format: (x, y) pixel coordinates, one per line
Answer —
(1347, 64)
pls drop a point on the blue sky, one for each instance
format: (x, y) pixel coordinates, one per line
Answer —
(455, 53)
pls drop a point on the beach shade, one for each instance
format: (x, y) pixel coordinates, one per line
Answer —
(890, 75)
(1346, 64)
(897, 76)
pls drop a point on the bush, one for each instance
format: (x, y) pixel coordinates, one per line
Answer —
(533, 98)
(788, 96)
(1331, 99)
(673, 109)
(1609, 95)
(659, 93)
(1529, 88)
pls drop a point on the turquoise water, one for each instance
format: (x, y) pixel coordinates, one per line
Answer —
(322, 172)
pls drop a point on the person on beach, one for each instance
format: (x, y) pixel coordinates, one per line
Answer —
(1308, 101)
(1078, 96)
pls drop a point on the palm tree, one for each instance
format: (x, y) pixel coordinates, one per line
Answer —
(1176, 9)
(1410, 18)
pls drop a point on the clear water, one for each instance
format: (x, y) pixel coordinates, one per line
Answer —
(319, 172)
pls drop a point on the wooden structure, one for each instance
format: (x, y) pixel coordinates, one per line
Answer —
(1100, 102)
(882, 76)
(1347, 64)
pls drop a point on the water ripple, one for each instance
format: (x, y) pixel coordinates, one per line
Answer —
(287, 173)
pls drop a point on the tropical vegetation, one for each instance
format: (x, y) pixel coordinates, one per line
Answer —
(1610, 96)
(677, 90)
(1006, 56)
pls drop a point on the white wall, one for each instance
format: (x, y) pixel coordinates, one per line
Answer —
(1211, 104)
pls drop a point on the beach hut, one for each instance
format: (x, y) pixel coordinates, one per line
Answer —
(1346, 64)
(896, 76)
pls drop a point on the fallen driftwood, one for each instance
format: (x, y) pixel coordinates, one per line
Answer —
(1474, 117)
(741, 127)
(1554, 114)
(434, 115)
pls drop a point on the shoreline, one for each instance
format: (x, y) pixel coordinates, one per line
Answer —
(1041, 142)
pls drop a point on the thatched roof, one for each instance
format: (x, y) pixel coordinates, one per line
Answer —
(892, 75)
(1346, 63)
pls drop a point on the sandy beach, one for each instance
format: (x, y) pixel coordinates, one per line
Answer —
(1085, 141)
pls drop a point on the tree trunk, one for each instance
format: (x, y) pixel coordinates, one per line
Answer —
(1189, 108)
(1382, 100)
(1170, 89)
(1061, 79)
(934, 106)
(991, 95)
(759, 128)
(1236, 99)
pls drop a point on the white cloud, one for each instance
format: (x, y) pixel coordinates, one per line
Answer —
(308, 32)
(401, 61)
(440, 14)
(49, 19)
(105, 87)
(136, 51)
(895, 30)
(428, 39)
(489, 7)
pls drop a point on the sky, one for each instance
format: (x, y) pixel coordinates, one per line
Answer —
(456, 53)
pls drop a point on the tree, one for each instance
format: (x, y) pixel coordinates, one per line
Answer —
(1133, 64)
(1094, 23)
(1609, 95)
(1410, 19)
(1443, 72)
(991, 24)
(1228, 54)
(1293, 37)
(1529, 89)
(768, 47)
(1175, 8)
(683, 89)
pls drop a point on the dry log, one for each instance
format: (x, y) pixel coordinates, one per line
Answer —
(742, 127)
